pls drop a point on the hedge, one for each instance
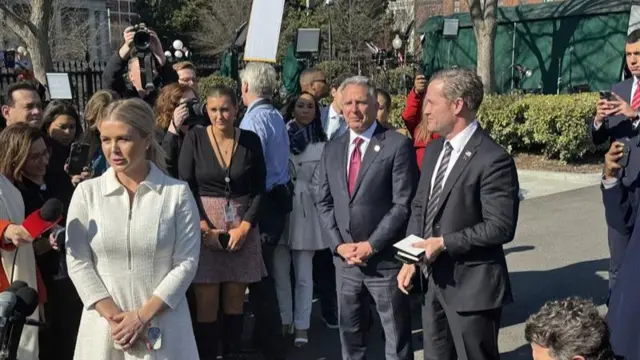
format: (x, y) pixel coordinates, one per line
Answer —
(552, 125)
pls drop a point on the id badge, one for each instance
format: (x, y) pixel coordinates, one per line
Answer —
(154, 335)
(229, 213)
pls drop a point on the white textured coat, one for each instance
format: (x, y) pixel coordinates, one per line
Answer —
(130, 253)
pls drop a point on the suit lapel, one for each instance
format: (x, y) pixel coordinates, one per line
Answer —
(342, 155)
(373, 149)
(463, 160)
(628, 90)
(429, 166)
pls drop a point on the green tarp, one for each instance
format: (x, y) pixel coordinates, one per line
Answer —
(580, 42)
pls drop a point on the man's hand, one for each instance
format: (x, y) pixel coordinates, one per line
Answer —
(17, 234)
(602, 110)
(620, 107)
(404, 277)
(125, 49)
(346, 251)
(156, 47)
(420, 84)
(611, 166)
(362, 252)
(432, 247)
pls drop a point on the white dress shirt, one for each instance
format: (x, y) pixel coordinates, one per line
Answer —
(334, 126)
(458, 143)
(366, 139)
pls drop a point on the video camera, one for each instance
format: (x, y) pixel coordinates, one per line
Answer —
(142, 44)
(141, 38)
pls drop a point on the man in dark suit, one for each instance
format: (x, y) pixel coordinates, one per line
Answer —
(617, 120)
(366, 181)
(465, 209)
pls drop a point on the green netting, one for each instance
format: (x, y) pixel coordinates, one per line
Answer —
(580, 50)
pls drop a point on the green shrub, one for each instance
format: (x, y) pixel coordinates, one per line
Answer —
(207, 83)
(335, 68)
(553, 125)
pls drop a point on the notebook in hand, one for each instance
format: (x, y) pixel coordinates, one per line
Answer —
(407, 253)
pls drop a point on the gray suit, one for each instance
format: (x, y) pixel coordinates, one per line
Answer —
(377, 212)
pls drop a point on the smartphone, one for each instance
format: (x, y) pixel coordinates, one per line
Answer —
(605, 95)
(224, 239)
(78, 158)
(626, 150)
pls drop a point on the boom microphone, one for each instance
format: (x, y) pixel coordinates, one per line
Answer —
(43, 219)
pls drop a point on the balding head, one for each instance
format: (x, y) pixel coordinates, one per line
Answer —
(314, 82)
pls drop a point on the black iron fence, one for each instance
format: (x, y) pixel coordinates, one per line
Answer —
(85, 77)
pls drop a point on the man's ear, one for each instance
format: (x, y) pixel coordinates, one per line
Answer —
(5, 111)
(244, 87)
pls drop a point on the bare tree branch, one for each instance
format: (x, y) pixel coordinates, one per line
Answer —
(18, 25)
(218, 24)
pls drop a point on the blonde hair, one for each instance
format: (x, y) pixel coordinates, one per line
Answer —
(96, 107)
(184, 65)
(139, 115)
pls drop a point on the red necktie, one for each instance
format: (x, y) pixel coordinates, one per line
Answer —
(354, 164)
(635, 102)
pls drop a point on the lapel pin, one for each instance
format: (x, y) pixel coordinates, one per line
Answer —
(376, 148)
(467, 154)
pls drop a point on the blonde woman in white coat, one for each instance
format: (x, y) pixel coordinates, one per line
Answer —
(133, 242)
(304, 237)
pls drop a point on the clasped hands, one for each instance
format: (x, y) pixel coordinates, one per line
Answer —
(355, 253)
(127, 328)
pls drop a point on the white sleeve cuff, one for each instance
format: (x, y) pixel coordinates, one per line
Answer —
(609, 183)
(596, 125)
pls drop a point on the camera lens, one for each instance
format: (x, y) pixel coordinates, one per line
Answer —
(142, 40)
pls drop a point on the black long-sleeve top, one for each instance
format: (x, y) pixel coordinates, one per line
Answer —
(113, 78)
(198, 166)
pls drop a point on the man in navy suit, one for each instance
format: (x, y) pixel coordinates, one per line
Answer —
(617, 120)
(366, 180)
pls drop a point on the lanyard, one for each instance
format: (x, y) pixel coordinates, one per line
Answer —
(227, 168)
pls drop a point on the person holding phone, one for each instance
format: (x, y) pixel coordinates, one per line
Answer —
(225, 169)
(617, 120)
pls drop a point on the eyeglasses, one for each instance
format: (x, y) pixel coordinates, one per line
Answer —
(39, 156)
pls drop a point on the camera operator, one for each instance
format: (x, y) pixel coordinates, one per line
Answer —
(128, 59)
(617, 120)
(175, 117)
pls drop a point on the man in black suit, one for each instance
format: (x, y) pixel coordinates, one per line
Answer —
(366, 180)
(617, 120)
(465, 209)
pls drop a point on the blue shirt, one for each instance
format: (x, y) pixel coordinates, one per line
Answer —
(266, 121)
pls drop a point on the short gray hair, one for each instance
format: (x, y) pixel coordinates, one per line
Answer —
(462, 84)
(261, 79)
(360, 81)
(570, 327)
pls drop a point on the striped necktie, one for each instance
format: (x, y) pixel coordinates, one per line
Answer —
(635, 101)
(434, 198)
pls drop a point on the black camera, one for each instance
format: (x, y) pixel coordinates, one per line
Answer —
(141, 38)
(197, 113)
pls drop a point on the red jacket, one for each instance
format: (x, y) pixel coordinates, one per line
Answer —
(412, 116)
(4, 280)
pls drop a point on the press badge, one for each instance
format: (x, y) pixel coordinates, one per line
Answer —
(154, 335)
(229, 213)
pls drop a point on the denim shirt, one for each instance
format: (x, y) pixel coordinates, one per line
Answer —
(264, 120)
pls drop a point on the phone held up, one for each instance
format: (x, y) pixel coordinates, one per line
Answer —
(626, 150)
(606, 95)
(78, 158)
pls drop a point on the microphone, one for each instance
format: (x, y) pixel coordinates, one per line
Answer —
(9, 300)
(26, 304)
(43, 219)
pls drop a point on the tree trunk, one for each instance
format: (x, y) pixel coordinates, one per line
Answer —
(40, 55)
(485, 38)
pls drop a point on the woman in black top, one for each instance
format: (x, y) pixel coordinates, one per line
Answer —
(225, 169)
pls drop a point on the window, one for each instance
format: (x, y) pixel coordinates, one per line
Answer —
(456, 6)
